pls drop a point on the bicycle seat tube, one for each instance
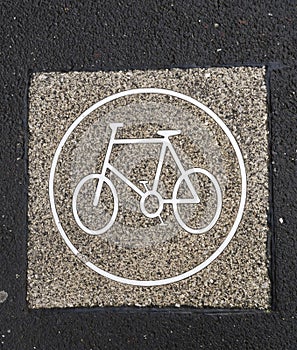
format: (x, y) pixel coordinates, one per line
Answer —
(114, 127)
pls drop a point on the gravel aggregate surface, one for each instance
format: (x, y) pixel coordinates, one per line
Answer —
(135, 246)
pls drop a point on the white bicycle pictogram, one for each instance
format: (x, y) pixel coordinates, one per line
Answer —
(147, 194)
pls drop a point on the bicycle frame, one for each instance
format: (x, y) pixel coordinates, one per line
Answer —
(166, 144)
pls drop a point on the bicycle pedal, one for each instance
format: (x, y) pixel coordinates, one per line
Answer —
(143, 181)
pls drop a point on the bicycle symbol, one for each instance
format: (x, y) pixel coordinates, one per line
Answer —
(148, 194)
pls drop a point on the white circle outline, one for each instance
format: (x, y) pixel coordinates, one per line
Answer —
(242, 199)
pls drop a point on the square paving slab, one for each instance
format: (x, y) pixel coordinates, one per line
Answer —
(153, 197)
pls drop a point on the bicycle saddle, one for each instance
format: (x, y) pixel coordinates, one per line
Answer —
(167, 133)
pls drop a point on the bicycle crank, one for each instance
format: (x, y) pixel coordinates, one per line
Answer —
(151, 203)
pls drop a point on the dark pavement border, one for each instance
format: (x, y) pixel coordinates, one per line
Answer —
(114, 35)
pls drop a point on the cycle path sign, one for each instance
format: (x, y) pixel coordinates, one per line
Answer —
(102, 180)
(146, 190)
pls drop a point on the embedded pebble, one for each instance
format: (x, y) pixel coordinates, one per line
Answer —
(3, 296)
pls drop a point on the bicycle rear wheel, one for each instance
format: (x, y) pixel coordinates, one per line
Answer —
(198, 218)
(95, 220)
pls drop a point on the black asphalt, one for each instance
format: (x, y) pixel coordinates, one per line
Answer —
(113, 35)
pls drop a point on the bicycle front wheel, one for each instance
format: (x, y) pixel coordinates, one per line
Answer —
(199, 217)
(95, 220)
